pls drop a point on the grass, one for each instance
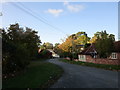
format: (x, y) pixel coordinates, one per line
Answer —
(38, 75)
(103, 66)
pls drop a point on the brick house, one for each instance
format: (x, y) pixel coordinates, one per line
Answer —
(116, 54)
(90, 51)
(90, 55)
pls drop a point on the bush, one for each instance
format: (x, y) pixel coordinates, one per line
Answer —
(45, 54)
(18, 48)
(75, 55)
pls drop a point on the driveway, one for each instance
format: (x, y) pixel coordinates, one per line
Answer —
(76, 76)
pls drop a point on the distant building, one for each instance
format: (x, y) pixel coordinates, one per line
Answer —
(53, 53)
(90, 54)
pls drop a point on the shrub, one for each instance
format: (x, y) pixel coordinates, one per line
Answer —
(19, 46)
(45, 54)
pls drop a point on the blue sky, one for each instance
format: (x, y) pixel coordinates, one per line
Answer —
(55, 20)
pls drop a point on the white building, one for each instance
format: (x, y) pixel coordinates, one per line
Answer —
(53, 53)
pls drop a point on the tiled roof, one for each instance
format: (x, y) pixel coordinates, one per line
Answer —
(89, 50)
(92, 48)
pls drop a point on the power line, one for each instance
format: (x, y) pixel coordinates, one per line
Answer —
(31, 10)
(26, 11)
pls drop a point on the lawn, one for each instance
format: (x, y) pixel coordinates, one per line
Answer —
(103, 66)
(37, 75)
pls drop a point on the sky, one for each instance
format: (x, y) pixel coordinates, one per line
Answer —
(56, 20)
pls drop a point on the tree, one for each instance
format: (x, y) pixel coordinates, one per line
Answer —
(32, 41)
(56, 48)
(19, 47)
(104, 43)
(47, 45)
(73, 40)
(70, 44)
(95, 37)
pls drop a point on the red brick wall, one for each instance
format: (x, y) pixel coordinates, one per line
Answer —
(118, 56)
(103, 61)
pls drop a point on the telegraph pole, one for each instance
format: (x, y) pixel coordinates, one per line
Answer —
(1, 14)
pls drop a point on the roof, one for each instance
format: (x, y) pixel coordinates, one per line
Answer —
(92, 49)
(89, 50)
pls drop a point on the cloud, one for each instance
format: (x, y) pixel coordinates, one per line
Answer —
(65, 3)
(73, 8)
(55, 12)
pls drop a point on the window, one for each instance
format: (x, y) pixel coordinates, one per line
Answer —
(82, 57)
(114, 56)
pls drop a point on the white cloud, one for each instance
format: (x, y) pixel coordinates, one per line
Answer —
(73, 8)
(55, 12)
(65, 3)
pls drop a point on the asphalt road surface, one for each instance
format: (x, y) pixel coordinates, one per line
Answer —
(76, 76)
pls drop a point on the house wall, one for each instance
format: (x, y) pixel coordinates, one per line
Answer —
(103, 60)
(82, 58)
(118, 54)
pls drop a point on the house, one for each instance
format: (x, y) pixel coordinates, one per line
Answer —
(116, 53)
(90, 51)
(90, 54)
(53, 53)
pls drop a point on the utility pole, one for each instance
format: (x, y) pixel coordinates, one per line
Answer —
(1, 14)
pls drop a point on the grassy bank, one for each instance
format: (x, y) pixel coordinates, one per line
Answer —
(103, 66)
(37, 75)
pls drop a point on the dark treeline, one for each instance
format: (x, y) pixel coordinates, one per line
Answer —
(19, 46)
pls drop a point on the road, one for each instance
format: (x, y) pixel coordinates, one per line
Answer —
(76, 76)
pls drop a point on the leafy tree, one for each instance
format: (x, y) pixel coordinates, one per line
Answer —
(57, 44)
(32, 41)
(71, 42)
(45, 54)
(82, 38)
(104, 43)
(47, 45)
(19, 47)
(56, 48)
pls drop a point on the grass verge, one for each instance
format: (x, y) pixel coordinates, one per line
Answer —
(103, 66)
(37, 75)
